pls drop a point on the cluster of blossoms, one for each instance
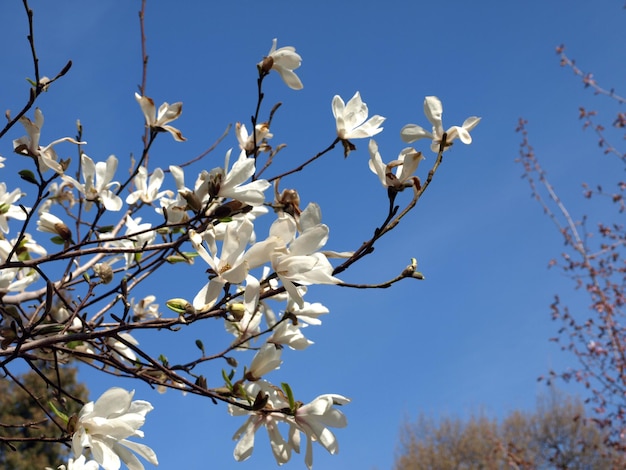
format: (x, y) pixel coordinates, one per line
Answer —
(215, 218)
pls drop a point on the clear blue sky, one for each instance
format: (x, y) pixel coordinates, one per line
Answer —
(472, 336)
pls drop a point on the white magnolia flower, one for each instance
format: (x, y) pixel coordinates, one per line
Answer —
(284, 60)
(245, 318)
(246, 142)
(246, 433)
(405, 167)
(104, 426)
(2, 159)
(16, 280)
(29, 145)
(80, 463)
(137, 235)
(295, 259)
(351, 119)
(309, 312)
(147, 192)
(98, 185)
(145, 308)
(50, 223)
(230, 267)
(158, 120)
(7, 209)
(121, 350)
(290, 335)
(265, 360)
(314, 419)
(434, 111)
(220, 183)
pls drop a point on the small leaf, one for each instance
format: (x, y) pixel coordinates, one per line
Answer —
(29, 176)
(57, 240)
(200, 346)
(227, 378)
(60, 414)
(287, 389)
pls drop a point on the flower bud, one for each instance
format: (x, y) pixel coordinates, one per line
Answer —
(289, 200)
(192, 200)
(104, 271)
(266, 65)
(180, 306)
(237, 310)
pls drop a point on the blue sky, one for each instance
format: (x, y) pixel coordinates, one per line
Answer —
(474, 335)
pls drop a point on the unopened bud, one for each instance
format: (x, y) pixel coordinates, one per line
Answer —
(237, 310)
(232, 362)
(63, 231)
(192, 200)
(104, 271)
(180, 306)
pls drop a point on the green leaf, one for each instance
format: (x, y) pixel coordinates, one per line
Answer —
(57, 240)
(29, 176)
(287, 389)
(200, 346)
(226, 378)
(59, 413)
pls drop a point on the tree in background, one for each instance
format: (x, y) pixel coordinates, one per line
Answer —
(594, 258)
(557, 435)
(25, 414)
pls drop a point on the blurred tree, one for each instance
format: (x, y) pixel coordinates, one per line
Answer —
(25, 415)
(593, 330)
(555, 436)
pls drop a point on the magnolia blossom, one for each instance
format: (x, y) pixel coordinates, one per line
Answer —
(80, 463)
(246, 142)
(295, 259)
(145, 308)
(266, 360)
(147, 192)
(16, 279)
(405, 166)
(29, 145)
(121, 350)
(138, 236)
(245, 318)
(50, 223)
(104, 426)
(308, 313)
(98, 185)
(158, 120)
(2, 159)
(230, 267)
(62, 193)
(220, 183)
(7, 209)
(351, 119)
(290, 335)
(246, 433)
(434, 110)
(314, 419)
(284, 60)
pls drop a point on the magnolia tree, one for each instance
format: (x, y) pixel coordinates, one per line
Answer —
(79, 237)
(593, 258)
